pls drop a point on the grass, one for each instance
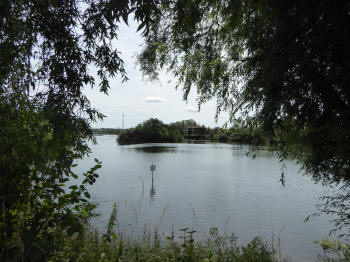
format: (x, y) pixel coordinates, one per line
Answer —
(90, 246)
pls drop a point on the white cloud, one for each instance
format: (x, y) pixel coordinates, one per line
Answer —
(154, 99)
(191, 109)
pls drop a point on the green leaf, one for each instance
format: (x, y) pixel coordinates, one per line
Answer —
(142, 25)
(125, 17)
(87, 195)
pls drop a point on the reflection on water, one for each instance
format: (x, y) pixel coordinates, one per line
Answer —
(205, 185)
(198, 141)
(155, 149)
(152, 192)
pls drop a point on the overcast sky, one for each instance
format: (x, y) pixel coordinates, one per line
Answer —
(140, 100)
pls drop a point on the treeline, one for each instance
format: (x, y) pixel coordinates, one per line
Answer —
(106, 131)
(155, 131)
(238, 134)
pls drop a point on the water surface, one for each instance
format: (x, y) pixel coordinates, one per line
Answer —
(205, 185)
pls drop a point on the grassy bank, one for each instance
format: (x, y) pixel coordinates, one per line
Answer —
(90, 246)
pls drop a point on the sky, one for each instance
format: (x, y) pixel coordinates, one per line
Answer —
(140, 99)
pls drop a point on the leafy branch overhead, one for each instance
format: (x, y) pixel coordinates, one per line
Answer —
(285, 63)
(47, 51)
(282, 65)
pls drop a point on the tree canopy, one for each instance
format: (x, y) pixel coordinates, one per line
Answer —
(283, 65)
(151, 131)
(47, 51)
(284, 62)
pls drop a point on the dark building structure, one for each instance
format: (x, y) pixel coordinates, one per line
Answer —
(194, 132)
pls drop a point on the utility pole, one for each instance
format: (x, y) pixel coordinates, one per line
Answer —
(123, 120)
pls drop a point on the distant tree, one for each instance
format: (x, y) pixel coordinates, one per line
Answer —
(151, 131)
(181, 125)
(107, 131)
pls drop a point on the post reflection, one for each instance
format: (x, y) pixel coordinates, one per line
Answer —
(152, 192)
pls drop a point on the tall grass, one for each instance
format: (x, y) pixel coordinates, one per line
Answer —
(90, 246)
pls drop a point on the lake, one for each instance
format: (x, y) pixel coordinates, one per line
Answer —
(205, 185)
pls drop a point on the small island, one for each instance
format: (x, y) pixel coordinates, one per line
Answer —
(155, 131)
(151, 131)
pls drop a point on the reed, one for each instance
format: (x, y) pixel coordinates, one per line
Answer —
(90, 246)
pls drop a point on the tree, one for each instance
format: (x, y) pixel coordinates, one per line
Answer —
(181, 125)
(284, 62)
(287, 63)
(151, 131)
(47, 49)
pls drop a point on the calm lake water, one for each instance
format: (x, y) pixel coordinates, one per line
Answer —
(205, 185)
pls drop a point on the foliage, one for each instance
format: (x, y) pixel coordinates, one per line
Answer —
(271, 59)
(284, 63)
(291, 56)
(181, 125)
(35, 168)
(47, 49)
(336, 203)
(155, 247)
(239, 133)
(339, 251)
(91, 247)
(151, 131)
(111, 223)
